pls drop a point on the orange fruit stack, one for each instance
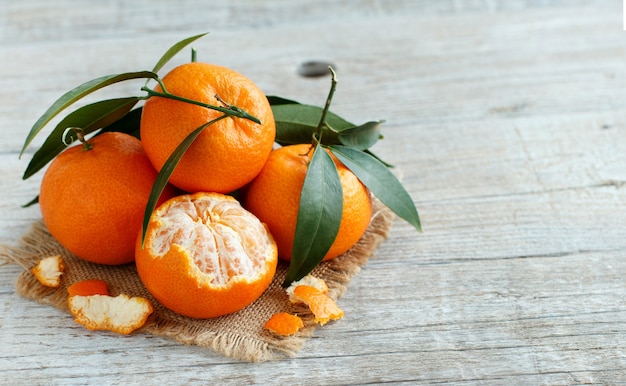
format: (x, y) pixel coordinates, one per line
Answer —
(203, 255)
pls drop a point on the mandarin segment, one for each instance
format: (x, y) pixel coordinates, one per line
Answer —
(274, 197)
(284, 324)
(321, 305)
(48, 271)
(88, 287)
(205, 255)
(93, 201)
(227, 154)
(121, 314)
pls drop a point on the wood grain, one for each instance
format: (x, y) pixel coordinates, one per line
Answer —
(505, 121)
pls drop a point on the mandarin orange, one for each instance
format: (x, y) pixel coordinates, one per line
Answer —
(93, 201)
(205, 256)
(274, 197)
(227, 154)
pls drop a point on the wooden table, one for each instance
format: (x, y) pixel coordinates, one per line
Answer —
(505, 119)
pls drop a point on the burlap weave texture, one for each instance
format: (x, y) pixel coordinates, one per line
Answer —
(240, 335)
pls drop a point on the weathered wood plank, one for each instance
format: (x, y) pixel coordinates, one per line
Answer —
(505, 121)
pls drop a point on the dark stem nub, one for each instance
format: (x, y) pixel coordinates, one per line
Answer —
(68, 139)
(226, 104)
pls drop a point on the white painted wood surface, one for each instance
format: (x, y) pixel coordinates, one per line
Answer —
(507, 120)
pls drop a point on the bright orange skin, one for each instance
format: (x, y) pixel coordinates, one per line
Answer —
(93, 201)
(274, 197)
(88, 287)
(284, 324)
(185, 295)
(323, 307)
(227, 154)
(173, 281)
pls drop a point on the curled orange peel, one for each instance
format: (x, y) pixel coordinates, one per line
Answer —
(48, 271)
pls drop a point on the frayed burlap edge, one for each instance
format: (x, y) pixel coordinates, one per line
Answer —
(240, 335)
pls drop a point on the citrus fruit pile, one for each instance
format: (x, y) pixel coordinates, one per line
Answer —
(155, 186)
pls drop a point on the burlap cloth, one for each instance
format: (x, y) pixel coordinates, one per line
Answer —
(240, 335)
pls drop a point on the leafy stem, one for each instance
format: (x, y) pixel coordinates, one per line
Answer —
(230, 110)
(317, 135)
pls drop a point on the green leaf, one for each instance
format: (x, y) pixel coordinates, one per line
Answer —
(31, 202)
(89, 118)
(361, 137)
(296, 123)
(128, 124)
(77, 93)
(173, 50)
(319, 216)
(290, 133)
(380, 181)
(387, 164)
(167, 170)
(277, 100)
(308, 115)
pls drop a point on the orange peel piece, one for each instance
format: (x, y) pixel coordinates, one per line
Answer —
(323, 307)
(88, 287)
(121, 314)
(309, 280)
(284, 324)
(48, 271)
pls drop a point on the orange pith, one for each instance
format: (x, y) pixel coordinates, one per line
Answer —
(92, 201)
(48, 271)
(309, 280)
(205, 256)
(227, 154)
(121, 314)
(274, 196)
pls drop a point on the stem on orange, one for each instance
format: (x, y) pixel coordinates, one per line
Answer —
(317, 135)
(316, 138)
(68, 139)
(230, 110)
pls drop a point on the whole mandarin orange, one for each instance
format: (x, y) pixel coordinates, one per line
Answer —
(227, 154)
(93, 201)
(274, 197)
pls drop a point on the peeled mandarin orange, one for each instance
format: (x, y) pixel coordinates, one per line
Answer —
(227, 154)
(205, 256)
(274, 197)
(93, 201)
